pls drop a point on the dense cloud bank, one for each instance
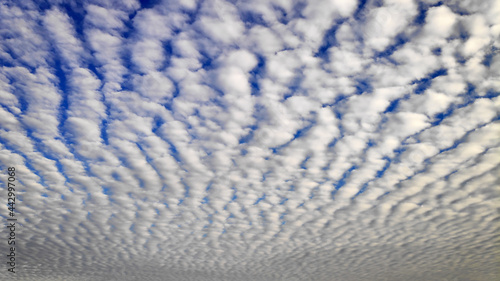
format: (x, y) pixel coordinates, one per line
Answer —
(252, 140)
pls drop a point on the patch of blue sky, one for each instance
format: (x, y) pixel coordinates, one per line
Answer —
(250, 18)
(186, 190)
(264, 176)
(167, 54)
(313, 192)
(141, 182)
(447, 177)
(398, 151)
(4, 62)
(341, 182)
(297, 8)
(299, 133)
(333, 143)
(361, 190)
(256, 74)
(488, 58)
(383, 195)
(490, 94)
(294, 88)
(283, 215)
(107, 191)
(116, 176)
(95, 71)
(471, 95)
(340, 99)
(393, 106)
(205, 200)
(173, 152)
(329, 40)
(463, 34)
(104, 131)
(260, 199)
(282, 219)
(378, 175)
(359, 14)
(249, 136)
(424, 83)
(338, 108)
(437, 51)
(209, 186)
(422, 13)
(206, 61)
(381, 172)
(283, 200)
(281, 14)
(459, 58)
(263, 218)
(304, 162)
(399, 41)
(369, 144)
(64, 91)
(75, 11)
(23, 103)
(459, 141)
(234, 196)
(166, 205)
(439, 117)
(363, 86)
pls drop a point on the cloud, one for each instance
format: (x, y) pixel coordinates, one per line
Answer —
(271, 140)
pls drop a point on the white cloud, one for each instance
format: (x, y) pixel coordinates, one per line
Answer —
(219, 22)
(385, 22)
(105, 18)
(59, 26)
(439, 22)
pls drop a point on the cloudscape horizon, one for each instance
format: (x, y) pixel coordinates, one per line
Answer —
(257, 140)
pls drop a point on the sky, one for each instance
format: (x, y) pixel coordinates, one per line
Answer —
(251, 140)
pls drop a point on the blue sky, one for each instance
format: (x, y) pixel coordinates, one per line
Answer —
(261, 140)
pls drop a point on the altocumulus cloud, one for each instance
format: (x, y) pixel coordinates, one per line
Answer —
(252, 140)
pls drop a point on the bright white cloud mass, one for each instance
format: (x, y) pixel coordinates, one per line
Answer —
(251, 140)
